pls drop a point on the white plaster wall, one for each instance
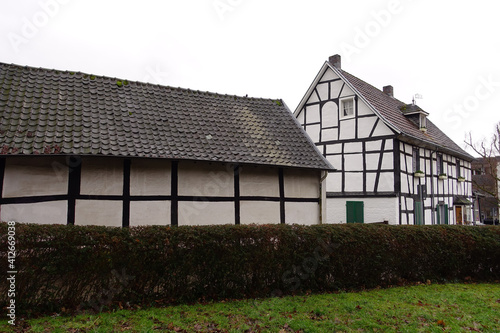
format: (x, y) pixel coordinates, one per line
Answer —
(353, 182)
(301, 183)
(149, 213)
(353, 162)
(312, 114)
(347, 129)
(363, 109)
(382, 130)
(206, 213)
(375, 209)
(329, 134)
(330, 114)
(313, 131)
(386, 182)
(322, 89)
(102, 176)
(365, 126)
(334, 148)
(328, 75)
(373, 145)
(54, 212)
(347, 92)
(35, 176)
(258, 181)
(150, 177)
(205, 179)
(335, 89)
(260, 212)
(306, 213)
(334, 182)
(98, 212)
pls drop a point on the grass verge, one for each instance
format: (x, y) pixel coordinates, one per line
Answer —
(425, 308)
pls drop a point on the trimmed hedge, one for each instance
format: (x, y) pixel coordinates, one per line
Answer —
(79, 267)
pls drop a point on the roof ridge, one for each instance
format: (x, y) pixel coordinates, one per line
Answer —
(61, 71)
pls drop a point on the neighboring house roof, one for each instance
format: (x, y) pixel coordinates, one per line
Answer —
(389, 110)
(46, 111)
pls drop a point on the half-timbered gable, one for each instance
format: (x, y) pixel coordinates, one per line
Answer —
(377, 143)
(84, 149)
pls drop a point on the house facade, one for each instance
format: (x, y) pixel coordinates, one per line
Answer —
(486, 189)
(393, 164)
(91, 150)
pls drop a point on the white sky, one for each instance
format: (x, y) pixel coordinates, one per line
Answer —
(447, 51)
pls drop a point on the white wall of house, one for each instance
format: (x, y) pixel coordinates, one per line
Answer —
(375, 209)
(38, 190)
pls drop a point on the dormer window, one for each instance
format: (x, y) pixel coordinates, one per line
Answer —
(416, 115)
(423, 122)
(347, 107)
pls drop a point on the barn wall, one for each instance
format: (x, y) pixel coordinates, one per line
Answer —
(130, 192)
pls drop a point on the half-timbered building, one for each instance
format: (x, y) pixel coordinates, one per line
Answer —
(393, 164)
(84, 149)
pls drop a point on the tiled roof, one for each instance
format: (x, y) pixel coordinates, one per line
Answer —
(389, 108)
(58, 112)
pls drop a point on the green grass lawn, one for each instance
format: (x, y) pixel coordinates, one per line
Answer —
(423, 308)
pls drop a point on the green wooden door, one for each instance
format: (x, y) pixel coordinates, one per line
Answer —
(442, 214)
(355, 211)
(418, 213)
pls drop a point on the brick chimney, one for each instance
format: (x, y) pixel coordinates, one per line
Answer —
(335, 61)
(389, 91)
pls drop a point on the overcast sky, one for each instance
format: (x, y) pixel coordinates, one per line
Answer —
(447, 51)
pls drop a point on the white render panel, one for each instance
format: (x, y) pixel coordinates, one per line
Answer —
(312, 114)
(365, 126)
(300, 117)
(346, 92)
(335, 160)
(329, 75)
(260, 212)
(382, 130)
(313, 98)
(205, 179)
(330, 114)
(389, 144)
(353, 147)
(301, 184)
(334, 182)
(387, 161)
(206, 213)
(386, 182)
(313, 132)
(258, 181)
(347, 129)
(330, 134)
(322, 89)
(334, 148)
(29, 177)
(353, 162)
(335, 89)
(353, 182)
(150, 177)
(373, 145)
(372, 161)
(363, 109)
(102, 176)
(375, 209)
(98, 212)
(53, 212)
(370, 181)
(149, 213)
(306, 213)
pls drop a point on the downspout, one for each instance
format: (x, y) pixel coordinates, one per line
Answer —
(433, 217)
(322, 198)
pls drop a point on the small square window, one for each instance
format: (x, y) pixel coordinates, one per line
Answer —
(347, 108)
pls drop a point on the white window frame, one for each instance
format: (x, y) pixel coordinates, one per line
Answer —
(341, 108)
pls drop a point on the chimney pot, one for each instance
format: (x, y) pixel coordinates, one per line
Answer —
(335, 61)
(389, 91)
